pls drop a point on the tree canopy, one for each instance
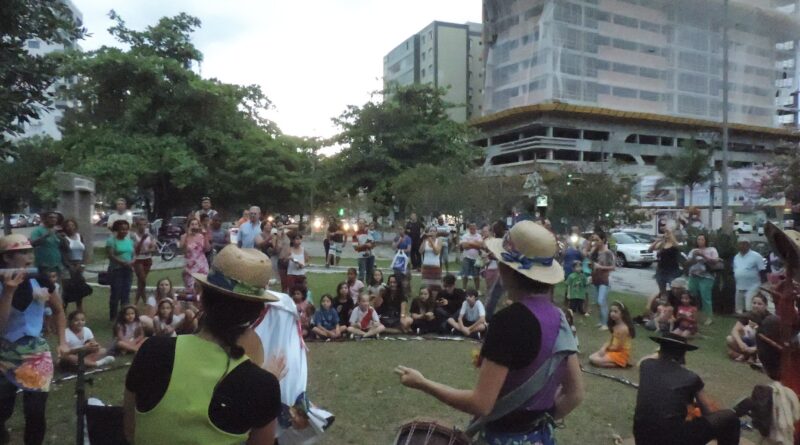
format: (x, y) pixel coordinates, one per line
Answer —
(690, 167)
(150, 127)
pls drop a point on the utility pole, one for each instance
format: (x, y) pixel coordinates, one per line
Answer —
(726, 222)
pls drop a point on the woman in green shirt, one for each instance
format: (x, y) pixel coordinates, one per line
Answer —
(119, 248)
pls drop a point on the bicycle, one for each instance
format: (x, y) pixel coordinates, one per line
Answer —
(167, 249)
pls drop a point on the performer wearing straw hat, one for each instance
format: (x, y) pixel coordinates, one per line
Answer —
(529, 372)
(202, 388)
(666, 389)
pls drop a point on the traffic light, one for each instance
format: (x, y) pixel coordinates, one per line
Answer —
(341, 211)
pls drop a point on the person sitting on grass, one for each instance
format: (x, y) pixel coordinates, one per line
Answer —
(576, 288)
(79, 336)
(354, 285)
(326, 320)
(615, 353)
(471, 318)
(128, 332)
(343, 304)
(163, 290)
(168, 323)
(376, 286)
(392, 307)
(741, 342)
(304, 308)
(449, 300)
(364, 321)
(686, 319)
(423, 312)
(663, 319)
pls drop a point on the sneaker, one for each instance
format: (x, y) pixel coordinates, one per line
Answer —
(352, 336)
(479, 335)
(417, 331)
(604, 328)
(105, 361)
(708, 322)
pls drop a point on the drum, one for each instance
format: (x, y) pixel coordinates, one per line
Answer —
(429, 432)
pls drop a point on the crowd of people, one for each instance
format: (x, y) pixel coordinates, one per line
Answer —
(518, 336)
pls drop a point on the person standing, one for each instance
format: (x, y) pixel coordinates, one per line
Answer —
(195, 244)
(337, 240)
(666, 388)
(75, 287)
(443, 232)
(219, 237)
(250, 231)
(298, 261)
(496, 291)
(749, 271)
(402, 245)
(529, 335)
(47, 243)
(414, 230)
(471, 244)
(144, 247)
(121, 213)
(120, 252)
(205, 209)
(702, 261)
(668, 266)
(27, 362)
(602, 265)
(363, 243)
(431, 249)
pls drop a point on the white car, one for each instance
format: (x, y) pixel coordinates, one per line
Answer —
(632, 251)
(743, 227)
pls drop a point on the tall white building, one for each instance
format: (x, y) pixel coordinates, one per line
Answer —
(447, 55)
(47, 124)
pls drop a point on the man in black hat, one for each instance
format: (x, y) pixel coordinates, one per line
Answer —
(666, 390)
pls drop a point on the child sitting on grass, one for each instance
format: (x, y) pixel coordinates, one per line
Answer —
(364, 321)
(423, 312)
(304, 308)
(686, 319)
(168, 324)
(128, 332)
(471, 318)
(576, 288)
(163, 290)
(664, 318)
(616, 352)
(326, 320)
(79, 336)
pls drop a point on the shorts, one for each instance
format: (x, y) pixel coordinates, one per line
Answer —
(336, 248)
(468, 268)
(468, 323)
(145, 264)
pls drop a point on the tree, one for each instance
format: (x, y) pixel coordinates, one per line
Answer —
(409, 128)
(587, 199)
(692, 166)
(24, 177)
(150, 127)
(25, 78)
(783, 175)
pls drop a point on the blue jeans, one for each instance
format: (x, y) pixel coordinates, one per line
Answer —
(602, 301)
(444, 257)
(120, 280)
(366, 265)
(543, 436)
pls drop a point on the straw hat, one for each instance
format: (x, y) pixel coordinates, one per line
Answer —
(785, 243)
(240, 273)
(529, 249)
(13, 242)
(674, 342)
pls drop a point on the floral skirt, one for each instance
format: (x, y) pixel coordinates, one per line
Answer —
(27, 363)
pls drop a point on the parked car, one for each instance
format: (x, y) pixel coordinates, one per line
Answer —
(19, 220)
(632, 251)
(34, 219)
(743, 227)
(174, 227)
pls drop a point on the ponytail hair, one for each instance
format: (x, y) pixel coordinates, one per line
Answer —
(227, 318)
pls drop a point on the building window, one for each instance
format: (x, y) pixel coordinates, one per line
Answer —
(568, 13)
(423, 40)
(626, 21)
(625, 68)
(624, 92)
(423, 56)
(692, 105)
(572, 89)
(649, 72)
(567, 37)
(693, 83)
(648, 95)
(649, 26)
(693, 62)
(571, 64)
(625, 44)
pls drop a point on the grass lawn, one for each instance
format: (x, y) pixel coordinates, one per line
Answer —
(354, 380)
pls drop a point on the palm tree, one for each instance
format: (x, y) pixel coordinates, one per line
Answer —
(688, 168)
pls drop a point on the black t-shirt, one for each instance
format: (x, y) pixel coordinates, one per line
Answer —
(515, 338)
(414, 230)
(248, 397)
(668, 259)
(420, 307)
(391, 304)
(344, 310)
(665, 390)
(454, 299)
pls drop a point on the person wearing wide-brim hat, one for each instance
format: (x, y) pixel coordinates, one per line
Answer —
(526, 336)
(666, 388)
(202, 388)
(25, 360)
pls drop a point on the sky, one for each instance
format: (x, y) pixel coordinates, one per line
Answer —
(312, 58)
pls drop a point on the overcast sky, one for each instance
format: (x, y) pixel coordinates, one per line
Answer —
(312, 58)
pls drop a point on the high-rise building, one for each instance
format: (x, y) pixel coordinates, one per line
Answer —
(595, 81)
(447, 55)
(47, 124)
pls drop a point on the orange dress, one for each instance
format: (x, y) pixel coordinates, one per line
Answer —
(619, 350)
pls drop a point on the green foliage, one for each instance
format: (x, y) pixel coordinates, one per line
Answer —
(29, 177)
(784, 175)
(689, 168)
(588, 199)
(25, 78)
(408, 129)
(150, 127)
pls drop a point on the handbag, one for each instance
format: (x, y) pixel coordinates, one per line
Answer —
(103, 278)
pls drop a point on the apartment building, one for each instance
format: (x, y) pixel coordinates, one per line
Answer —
(594, 81)
(447, 55)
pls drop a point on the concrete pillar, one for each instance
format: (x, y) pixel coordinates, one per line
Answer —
(76, 200)
(549, 132)
(550, 154)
